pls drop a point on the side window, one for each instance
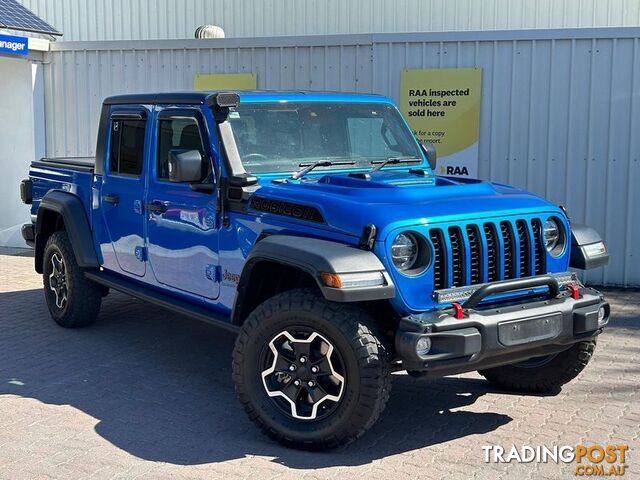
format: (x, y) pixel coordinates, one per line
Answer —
(176, 133)
(127, 147)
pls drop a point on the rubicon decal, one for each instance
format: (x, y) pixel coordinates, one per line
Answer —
(287, 209)
(590, 460)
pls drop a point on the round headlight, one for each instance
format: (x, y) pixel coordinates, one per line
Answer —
(404, 251)
(553, 236)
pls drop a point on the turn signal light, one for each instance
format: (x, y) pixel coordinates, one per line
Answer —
(331, 279)
(352, 280)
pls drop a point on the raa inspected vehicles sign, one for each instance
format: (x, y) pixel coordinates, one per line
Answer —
(442, 106)
(12, 45)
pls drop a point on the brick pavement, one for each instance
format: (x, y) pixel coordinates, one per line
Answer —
(147, 394)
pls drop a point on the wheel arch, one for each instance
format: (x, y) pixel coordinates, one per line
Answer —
(296, 262)
(64, 211)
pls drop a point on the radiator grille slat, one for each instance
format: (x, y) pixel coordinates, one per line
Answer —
(538, 246)
(457, 257)
(492, 252)
(439, 261)
(509, 247)
(475, 250)
(524, 252)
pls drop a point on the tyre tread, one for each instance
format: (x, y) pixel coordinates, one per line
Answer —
(550, 377)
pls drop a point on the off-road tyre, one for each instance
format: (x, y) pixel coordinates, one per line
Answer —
(83, 297)
(547, 377)
(366, 364)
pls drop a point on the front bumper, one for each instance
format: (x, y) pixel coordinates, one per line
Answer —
(499, 335)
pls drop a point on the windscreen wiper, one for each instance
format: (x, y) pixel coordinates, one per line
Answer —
(379, 164)
(307, 167)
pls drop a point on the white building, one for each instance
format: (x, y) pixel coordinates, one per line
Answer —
(560, 102)
(89, 20)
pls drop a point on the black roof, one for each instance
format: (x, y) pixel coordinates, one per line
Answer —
(198, 98)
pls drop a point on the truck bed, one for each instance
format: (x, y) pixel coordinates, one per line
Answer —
(79, 163)
(69, 174)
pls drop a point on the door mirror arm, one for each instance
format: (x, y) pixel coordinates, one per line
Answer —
(203, 187)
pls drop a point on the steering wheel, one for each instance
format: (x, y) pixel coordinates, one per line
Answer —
(254, 157)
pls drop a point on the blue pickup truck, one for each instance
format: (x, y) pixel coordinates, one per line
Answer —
(313, 225)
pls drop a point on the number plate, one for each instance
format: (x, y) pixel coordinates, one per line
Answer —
(517, 332)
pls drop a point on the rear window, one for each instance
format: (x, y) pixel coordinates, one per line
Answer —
(127, 147)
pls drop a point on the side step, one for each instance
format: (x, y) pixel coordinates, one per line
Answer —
(151, 296)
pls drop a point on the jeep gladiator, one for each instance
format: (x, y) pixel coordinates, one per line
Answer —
(313, 225)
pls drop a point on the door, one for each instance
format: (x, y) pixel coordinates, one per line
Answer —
(122, 192)
(182, 224)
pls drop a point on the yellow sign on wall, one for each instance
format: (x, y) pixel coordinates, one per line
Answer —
(225, 81)
(443, 106)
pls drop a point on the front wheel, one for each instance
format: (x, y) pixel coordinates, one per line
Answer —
(310, 373)
(543, 374)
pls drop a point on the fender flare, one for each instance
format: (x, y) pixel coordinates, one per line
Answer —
(70, 208)
(313, 256)
(582, 257)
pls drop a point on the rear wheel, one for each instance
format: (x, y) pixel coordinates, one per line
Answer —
(310, 373)
(543, 374)
(73, 301)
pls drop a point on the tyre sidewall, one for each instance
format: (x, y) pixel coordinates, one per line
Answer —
(53, 248)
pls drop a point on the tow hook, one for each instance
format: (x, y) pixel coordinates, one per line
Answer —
(458, 311)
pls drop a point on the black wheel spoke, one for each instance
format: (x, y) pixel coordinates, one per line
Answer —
(316, 393)
(283, 364)
(292, 391)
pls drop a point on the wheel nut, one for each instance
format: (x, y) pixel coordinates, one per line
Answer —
(311, 384)
(303, 359)
(292, 367)
(314, 369)
(296, 383)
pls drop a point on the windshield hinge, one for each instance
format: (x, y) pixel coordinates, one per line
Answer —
(368, 237)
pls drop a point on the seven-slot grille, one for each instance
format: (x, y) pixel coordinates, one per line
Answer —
(487, 252)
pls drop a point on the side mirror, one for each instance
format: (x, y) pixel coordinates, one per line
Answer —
(429, 150)
(185, 166)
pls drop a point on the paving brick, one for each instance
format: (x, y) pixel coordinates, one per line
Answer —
(145, 393)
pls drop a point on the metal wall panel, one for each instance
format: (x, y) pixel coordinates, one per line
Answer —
(88, 20)
(559, 112)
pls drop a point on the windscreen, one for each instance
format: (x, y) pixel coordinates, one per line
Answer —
(279, 137)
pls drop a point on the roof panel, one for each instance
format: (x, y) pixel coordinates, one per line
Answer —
(16, 17)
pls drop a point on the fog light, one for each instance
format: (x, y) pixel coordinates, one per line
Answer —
(423, 345)
(602, 316)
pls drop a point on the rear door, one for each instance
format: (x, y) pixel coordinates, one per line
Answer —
(122, 191)
(182, 223)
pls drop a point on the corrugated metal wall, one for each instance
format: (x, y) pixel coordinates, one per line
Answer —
(560, 108)
(89, 20)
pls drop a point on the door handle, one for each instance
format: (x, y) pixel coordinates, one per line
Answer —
(156, 207)
(111, 198)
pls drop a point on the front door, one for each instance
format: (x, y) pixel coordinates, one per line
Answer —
(122, 193)
(182, 225)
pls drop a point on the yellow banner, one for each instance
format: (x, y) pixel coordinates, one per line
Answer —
(443, 106)
(225, 81)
